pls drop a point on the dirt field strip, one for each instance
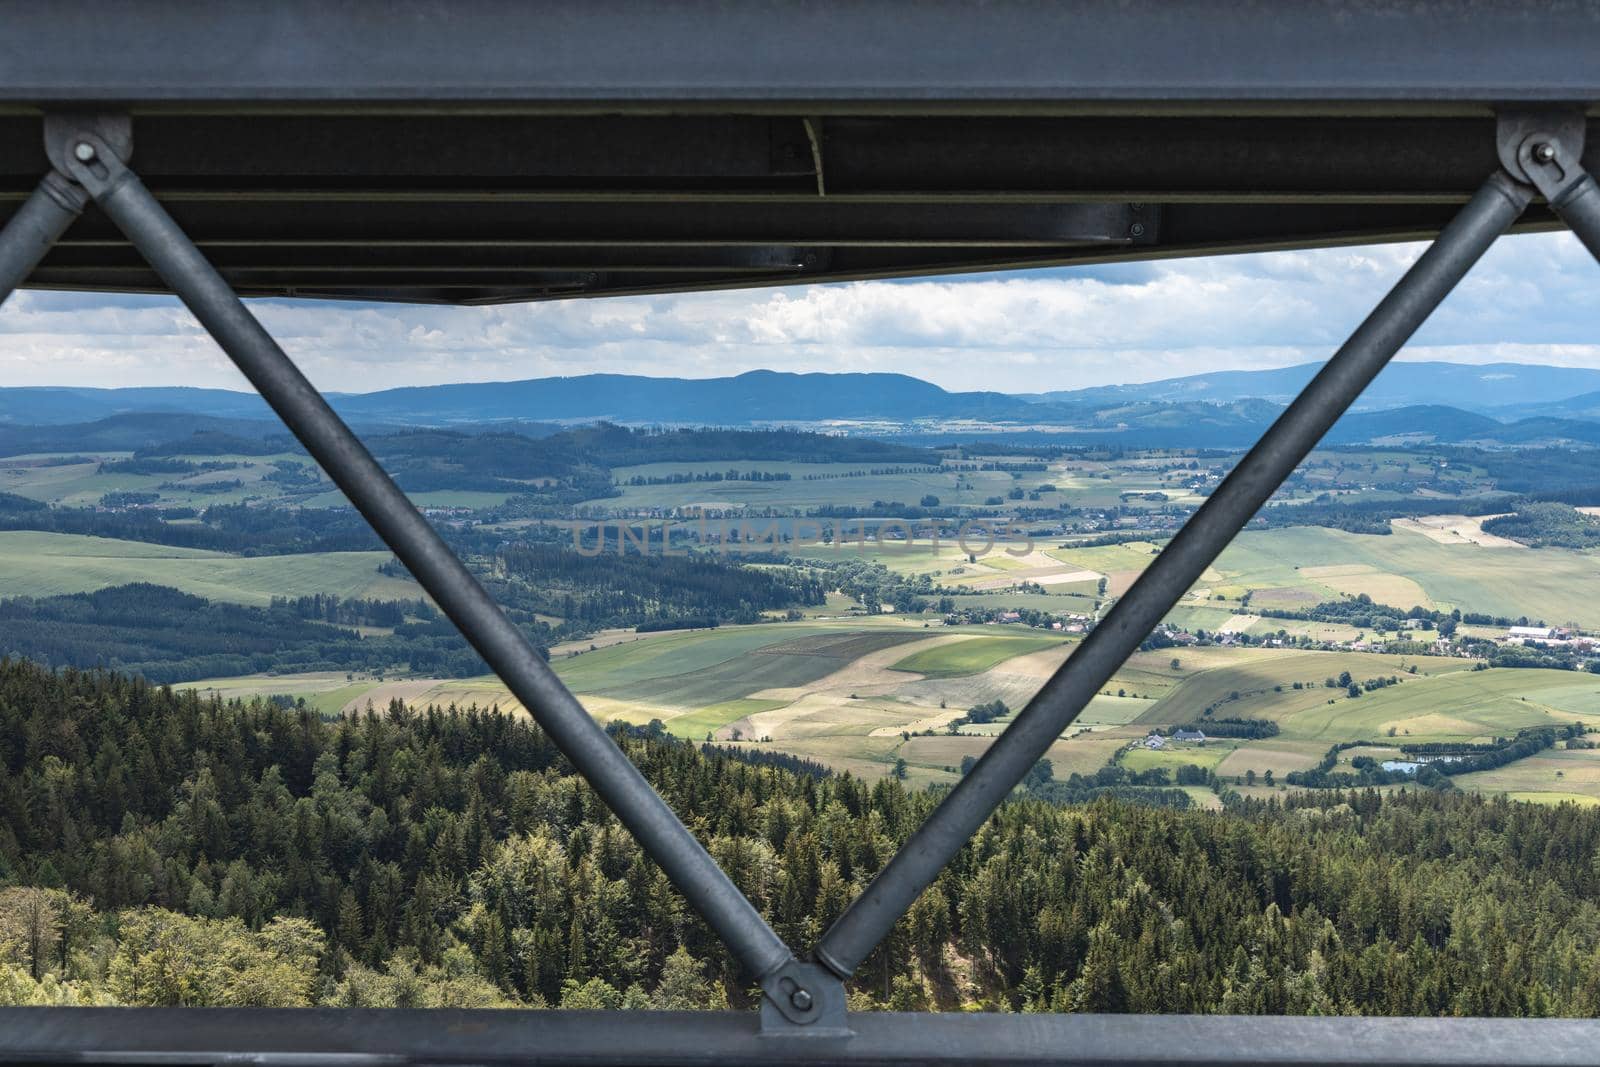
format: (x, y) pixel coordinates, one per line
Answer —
(1459, 530)
(868, 676)
(1067, 578)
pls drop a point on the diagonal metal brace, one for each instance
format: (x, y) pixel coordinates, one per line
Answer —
(872, 915)
(90, 160)
(37, 225)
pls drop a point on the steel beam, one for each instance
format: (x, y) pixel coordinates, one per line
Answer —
(321, 1037)
(124, 199)
(902, 55)
(871, 916)
(37, 225)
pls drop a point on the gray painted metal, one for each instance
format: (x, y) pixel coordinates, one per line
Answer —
(325, 203)
(126, 201)
(1580, 210)
(368, 1038)
(919, 54)
(387, 206)
(1148, 129)
(36, 226)
(871, 916)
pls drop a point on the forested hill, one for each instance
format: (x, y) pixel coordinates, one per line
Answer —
(513, 450)
(160, 849)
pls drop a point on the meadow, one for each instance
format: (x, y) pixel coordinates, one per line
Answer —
(83, 484)
(1409, 567)
(51, 564)
(972, 655)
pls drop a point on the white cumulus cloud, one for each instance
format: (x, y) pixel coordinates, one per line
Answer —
(1532, 299)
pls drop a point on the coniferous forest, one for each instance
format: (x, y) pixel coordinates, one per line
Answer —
(158, 848)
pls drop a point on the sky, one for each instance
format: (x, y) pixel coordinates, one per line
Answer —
(1532, 299)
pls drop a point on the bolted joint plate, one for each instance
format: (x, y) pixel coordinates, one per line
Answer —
(90, 151)
(64, 131)
(803, 1000)
(1542, 148)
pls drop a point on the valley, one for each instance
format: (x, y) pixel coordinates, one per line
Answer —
(853, 601)
(236, 723)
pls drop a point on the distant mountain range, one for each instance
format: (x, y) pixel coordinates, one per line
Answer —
(1471, 387)
(1506, 403)
(757, 396)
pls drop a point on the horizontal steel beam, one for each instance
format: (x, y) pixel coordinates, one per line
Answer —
(914, 54)
(427, 157)
(1195, 233)
(498, 222)
(463, 208)
(453, 258)
(367, 1038)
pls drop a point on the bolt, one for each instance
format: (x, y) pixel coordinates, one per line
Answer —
(1544, 152)
(801, 999)
(1137, 229)
(84, 151)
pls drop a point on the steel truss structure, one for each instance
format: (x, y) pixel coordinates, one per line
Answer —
(272, 200)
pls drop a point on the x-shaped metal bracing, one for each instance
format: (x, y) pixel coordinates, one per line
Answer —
(802, 997)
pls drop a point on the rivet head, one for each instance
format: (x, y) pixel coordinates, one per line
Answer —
(1137, 229)
(1544, 152)
(84, 151)
(801, 999)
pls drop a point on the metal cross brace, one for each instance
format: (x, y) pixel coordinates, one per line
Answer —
(805, 998)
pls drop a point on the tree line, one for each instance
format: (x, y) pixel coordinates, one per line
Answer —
(158, 848)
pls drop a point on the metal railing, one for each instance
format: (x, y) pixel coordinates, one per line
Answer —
(803, 1005)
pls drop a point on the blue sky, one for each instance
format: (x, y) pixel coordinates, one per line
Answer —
(1533, 299)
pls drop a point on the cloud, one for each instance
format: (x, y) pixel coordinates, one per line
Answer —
(1532, 299)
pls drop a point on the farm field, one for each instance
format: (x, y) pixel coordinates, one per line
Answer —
(1551, 777)
(1444, 701)
(1406, 568)
(971, 655)
(50, 564)
(1550, 583)
(860, 693)
(842, 693)
(82, 484)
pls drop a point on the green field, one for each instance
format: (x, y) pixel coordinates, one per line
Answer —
(792, 662)
(972, 656)
(708, 667)
(1549, 583)
(1179, 755)
(1296, 567)
(1444, 701)
(82, 484)
(671, 654)
(841, 694)
(711, 718)
(49, 564)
